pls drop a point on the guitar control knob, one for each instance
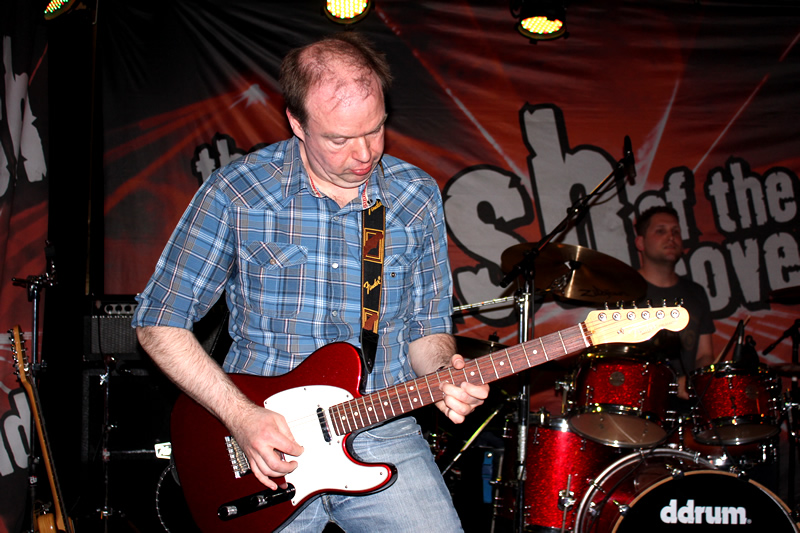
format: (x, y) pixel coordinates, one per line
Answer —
(227, 511)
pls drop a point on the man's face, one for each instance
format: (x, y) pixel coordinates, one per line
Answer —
(661, 241)
(343, 138)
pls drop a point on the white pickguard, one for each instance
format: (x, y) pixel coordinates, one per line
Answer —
(323, 466)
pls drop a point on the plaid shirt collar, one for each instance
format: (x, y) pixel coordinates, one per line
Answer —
(295, 179)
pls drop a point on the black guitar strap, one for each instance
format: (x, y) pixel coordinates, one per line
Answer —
(374, 225)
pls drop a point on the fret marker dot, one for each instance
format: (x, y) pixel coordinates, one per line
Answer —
(369, 408)
(385, 403)
(472, 373)
(414, 400)
(535, 352)
(411, 388)
(502, 363)
(355, 414)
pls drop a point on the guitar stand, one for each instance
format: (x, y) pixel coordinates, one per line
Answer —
(34, 286)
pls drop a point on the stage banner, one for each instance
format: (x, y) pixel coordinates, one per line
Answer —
(516, 133)
(23, 229)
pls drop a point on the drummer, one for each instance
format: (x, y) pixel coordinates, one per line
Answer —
(660, 248)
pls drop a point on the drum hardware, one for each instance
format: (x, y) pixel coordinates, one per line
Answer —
(793, 371)
(668, 490)
(494, 301)
(565, 387)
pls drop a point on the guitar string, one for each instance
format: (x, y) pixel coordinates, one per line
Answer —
(595, 328)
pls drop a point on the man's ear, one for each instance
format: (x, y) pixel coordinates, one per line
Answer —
(297, 128)
(639, 243)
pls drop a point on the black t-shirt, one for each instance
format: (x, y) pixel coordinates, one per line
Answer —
(680, 348)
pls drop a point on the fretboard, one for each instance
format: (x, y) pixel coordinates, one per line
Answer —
(399, 399)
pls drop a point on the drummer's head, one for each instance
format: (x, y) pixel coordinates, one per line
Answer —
(659, 236)
(644, 219)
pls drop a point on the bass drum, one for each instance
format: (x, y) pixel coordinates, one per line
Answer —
(665, 490)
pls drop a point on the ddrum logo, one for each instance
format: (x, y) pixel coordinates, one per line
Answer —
(691, 514)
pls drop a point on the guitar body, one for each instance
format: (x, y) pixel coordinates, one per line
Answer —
(330, 376)
(45, 523)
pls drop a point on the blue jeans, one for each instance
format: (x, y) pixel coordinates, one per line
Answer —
(418, 500)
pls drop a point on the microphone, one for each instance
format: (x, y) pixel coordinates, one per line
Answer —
(737, 348)
(629, 162)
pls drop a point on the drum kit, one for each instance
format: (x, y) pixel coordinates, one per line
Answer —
(625, 454)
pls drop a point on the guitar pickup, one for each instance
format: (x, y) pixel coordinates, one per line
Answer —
(323, 424)
(254, 502)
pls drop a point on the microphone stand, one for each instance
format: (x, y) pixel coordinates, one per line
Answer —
(526, 268)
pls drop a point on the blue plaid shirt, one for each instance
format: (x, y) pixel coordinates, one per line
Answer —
(289, 262)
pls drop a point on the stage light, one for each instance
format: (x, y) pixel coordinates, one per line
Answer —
(540, 20)
(347, 11)
(57, 7)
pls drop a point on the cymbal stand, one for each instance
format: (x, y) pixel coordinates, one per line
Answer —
(34, 286)
(524, 401)
(792, 403)
(527, 270)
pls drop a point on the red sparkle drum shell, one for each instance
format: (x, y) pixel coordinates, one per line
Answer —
(557, 458)
(735, 404)
(728, 455)
(622, 401)
(665, 490)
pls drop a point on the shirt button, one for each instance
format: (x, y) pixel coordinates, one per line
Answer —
(335, 265)
(335, 313)
(336, 218)
(272, 262)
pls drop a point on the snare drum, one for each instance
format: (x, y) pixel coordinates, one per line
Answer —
(622, 401)
(663, 490)
(735, 404)
(559, 466)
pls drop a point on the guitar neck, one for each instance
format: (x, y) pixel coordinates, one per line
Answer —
(395, 401)
(63, 523)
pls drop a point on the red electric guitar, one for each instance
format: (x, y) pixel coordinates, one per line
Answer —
(322, 405)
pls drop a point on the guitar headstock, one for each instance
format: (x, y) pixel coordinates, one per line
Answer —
(634, 325)
(18, 350)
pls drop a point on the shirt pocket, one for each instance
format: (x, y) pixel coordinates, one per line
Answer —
(272, 277)
(404, 247)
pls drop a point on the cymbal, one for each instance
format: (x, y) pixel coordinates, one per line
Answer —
(472, 348)
(579, 273)
(786, 295)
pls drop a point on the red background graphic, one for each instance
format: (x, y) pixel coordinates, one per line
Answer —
(146, 100)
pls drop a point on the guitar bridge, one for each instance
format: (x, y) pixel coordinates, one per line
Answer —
(239, 462)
